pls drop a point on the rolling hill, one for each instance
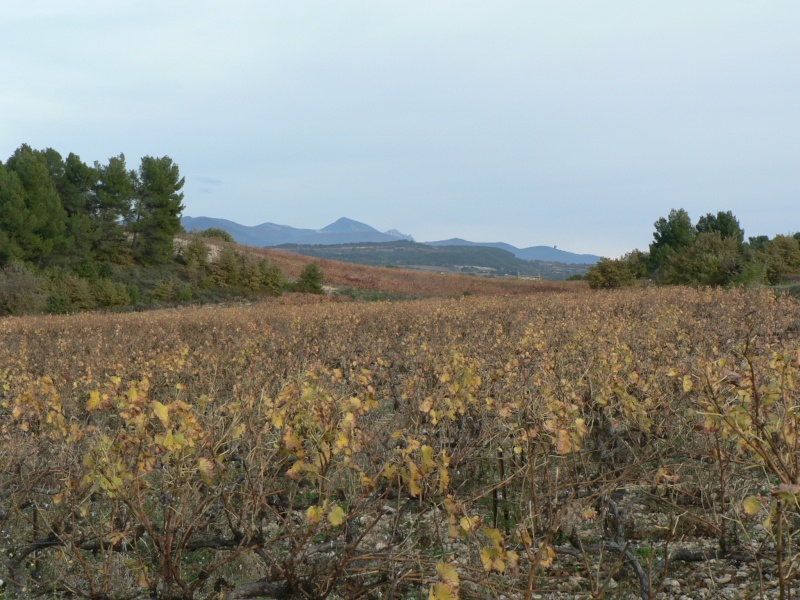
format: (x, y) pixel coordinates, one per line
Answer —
(471, 260)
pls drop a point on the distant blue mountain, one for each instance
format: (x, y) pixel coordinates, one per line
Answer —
(348, 231)
(543, 253)
(343, 231)
(345, 225)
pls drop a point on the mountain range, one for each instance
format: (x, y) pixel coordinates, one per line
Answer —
(348, 231)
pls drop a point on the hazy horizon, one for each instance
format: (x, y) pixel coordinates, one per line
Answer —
(572, 124)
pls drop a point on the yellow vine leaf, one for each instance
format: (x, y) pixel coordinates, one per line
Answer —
(687, 383)
(336, 516)
(444, 474)
(751, 506)
(313, 515)
(162, 412)
(547, 556)
(486, 559)
(94, 400)
(414, 479)
(342, 441)
(428, 464)
(441, 592)
(447, 573)
(494, 536)
(367, 481)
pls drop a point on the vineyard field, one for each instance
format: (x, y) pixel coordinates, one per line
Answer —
(641, 443)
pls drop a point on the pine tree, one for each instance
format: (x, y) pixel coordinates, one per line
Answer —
(157, 213)
(39, 227)
(112, 209)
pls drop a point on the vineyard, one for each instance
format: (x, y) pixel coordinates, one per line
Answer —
(566, 444)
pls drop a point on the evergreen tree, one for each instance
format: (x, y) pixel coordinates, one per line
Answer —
(112, 209)
(157, 214)
(39, 227)
(310, 280)
(758, 242)
(724, 222)
(671, 235)
(713, 259)
(12, 216)
(75, 182)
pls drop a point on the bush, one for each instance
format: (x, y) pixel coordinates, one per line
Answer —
(272, 278)
(134, 293)
(162, 292)
(310, 280)
(194, 253)
(610, 273)
(249, 273)
(58, 303)
(76, 290)
(781, 257)
(184, 292)
(108, 293)
(21, 290)
(225, 270)
(215, 232)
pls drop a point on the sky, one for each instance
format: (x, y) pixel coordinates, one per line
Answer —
(574, 123)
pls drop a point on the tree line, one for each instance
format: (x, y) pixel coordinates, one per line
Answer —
(75, 236)
(711, 252)
(56, 211)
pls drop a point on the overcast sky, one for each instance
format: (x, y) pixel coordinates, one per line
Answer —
(568, 123)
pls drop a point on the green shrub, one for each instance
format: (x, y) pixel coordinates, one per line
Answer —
(164, 291)
(194, 253)
(58, 303)
(310, 280)
(184, 292)
(215, 232)
(272, 278)
(610, 273)
(781, 257)
(21, 290)
(711, 260)
(134, 293)
(76, 289)
(249, 273)
(225, 269)
(108, 293)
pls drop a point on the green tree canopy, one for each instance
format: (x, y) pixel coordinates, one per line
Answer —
(781, 257)
(113, 208)
(12, 216)
(214, 232)
(158, 208)
(758, 242)
(75, 183)
(713, 259)
(671, 235)
(723, 222)
(310, 280)
(37, 224)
